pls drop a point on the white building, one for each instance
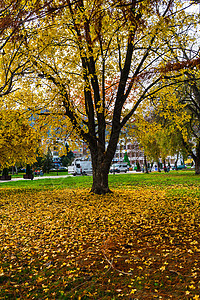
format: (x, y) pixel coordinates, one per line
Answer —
(134, 153)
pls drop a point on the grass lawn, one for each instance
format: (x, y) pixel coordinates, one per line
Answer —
(57, 241)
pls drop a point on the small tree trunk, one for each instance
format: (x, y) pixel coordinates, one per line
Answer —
(13, 170)
(197, 159)
(158, 166)
(164, 163)
(16, 170)
(145, 164)
(175, 164)
(197, 167)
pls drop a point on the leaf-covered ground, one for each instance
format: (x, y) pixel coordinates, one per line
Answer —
(137, 243)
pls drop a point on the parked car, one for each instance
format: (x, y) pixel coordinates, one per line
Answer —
(38, 172)
(180, 167)
(63, 168)
(119, 167)
(21, 170)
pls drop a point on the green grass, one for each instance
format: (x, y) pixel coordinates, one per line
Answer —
(180, 179)
(177, 183)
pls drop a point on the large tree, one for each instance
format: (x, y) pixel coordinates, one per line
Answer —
(95, 63)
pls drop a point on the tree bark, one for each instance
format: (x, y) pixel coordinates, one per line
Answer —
(197, 166)
(145, 164)
(16, 169)
(100, 174)
(158, 166)
(197, 158)
(101, 162)
(176, 161)
(100, 181)
(13, 170)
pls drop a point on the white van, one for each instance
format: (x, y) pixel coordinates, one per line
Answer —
(119, 167)
(80, 167)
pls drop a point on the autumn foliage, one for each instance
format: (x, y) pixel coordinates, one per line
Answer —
(18, 139)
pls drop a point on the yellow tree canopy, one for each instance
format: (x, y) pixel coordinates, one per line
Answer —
(81, 57)
(18, 140)
(160, 125)
(14, 14)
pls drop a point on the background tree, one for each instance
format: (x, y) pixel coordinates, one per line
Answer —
(177, 147)
(66, 160)
(29, 171)
(148, 137)
(18, 140)
(88, 45)
(126, 159)
(189, 95)
(38, 164)
(183, 115)
(162, 131)
(183, 72)
(47, 161)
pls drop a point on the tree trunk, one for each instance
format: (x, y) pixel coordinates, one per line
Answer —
(101, 166)
(13, 170)
(197, 159)
(100, 181)
(158, 166)
(145, 164)
(176, 161)
(197, 166)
